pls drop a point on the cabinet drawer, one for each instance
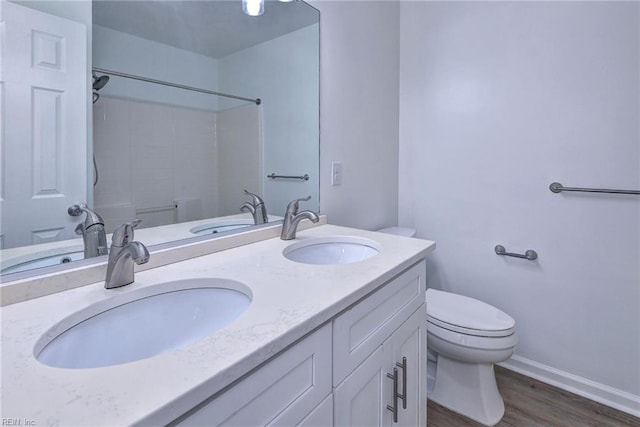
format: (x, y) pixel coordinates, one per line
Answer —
(364, 327)
(283, 391)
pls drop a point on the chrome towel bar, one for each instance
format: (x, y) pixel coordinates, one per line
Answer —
(530, 254)
(304, 177)
(556, 187)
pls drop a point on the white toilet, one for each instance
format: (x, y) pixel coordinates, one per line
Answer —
(465, 337)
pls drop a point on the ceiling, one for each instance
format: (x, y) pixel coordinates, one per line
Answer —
(214, 28)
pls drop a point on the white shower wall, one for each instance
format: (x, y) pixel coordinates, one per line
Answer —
(497, 101)
(152, 157)
(143, 150)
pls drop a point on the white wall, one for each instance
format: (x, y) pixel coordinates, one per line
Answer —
(498, 100)
(359, 111)
(283, 73)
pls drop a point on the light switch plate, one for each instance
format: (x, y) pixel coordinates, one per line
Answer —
(336, 173)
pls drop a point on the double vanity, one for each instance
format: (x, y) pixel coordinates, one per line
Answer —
(325, 329)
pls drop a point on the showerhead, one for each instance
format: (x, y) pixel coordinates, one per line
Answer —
(99, 82)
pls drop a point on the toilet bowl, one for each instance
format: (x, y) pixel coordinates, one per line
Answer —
(465, 337)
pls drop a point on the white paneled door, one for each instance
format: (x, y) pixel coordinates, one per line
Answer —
(43, 129)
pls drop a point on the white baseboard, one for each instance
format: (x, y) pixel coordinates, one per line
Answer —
(601, 393)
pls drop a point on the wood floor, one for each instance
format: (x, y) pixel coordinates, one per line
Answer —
(531, 403)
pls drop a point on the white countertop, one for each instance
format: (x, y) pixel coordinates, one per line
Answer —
(289, 300)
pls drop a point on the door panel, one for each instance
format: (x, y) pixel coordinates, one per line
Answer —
(43, 125)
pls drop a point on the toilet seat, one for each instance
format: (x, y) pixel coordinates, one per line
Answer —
(466, 315)
(468, 331)
(469, 342)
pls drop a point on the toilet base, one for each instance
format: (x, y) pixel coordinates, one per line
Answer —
(469, 389)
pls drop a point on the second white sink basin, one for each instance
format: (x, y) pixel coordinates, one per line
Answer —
(332, 250)
(143, 323)
(221, 225)
(44, 261)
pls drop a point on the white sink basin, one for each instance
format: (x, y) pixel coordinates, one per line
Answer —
(220, 226)
(45, 261)
(332, 250)
(143, 323)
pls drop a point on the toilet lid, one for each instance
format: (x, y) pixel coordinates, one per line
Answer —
(467, 315)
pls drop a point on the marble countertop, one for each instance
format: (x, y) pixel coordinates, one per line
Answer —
(289, 300)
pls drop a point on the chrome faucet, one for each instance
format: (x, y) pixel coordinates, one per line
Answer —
(292, 218)
(123, 253)
(92, 231)
(257, 208)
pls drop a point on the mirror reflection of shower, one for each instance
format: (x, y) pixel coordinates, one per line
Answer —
(98, 83)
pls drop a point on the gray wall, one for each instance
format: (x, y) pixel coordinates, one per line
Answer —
(359, 66)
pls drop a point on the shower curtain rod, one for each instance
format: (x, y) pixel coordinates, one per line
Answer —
(257, 101)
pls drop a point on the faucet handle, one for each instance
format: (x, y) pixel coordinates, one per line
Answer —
(92, 217)
(292, 207)
(248, 207)
(124, 233)
(256, 199)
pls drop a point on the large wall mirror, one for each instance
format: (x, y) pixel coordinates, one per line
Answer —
(165, 111)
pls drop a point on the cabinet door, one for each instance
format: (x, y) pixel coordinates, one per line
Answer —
(362, 398)
(410, 342)
(365, 326)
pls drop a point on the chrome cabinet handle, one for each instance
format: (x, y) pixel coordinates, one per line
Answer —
(403, 396)
(394, 408)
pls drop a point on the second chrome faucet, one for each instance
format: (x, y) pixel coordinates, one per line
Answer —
(123, 253)
(92, 231)
(292, 218)
(256, 207)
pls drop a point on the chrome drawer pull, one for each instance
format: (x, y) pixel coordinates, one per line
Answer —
(394, 408)
(403, 396)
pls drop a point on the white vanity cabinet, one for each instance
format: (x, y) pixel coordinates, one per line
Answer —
(340, 373)
(385, 332)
